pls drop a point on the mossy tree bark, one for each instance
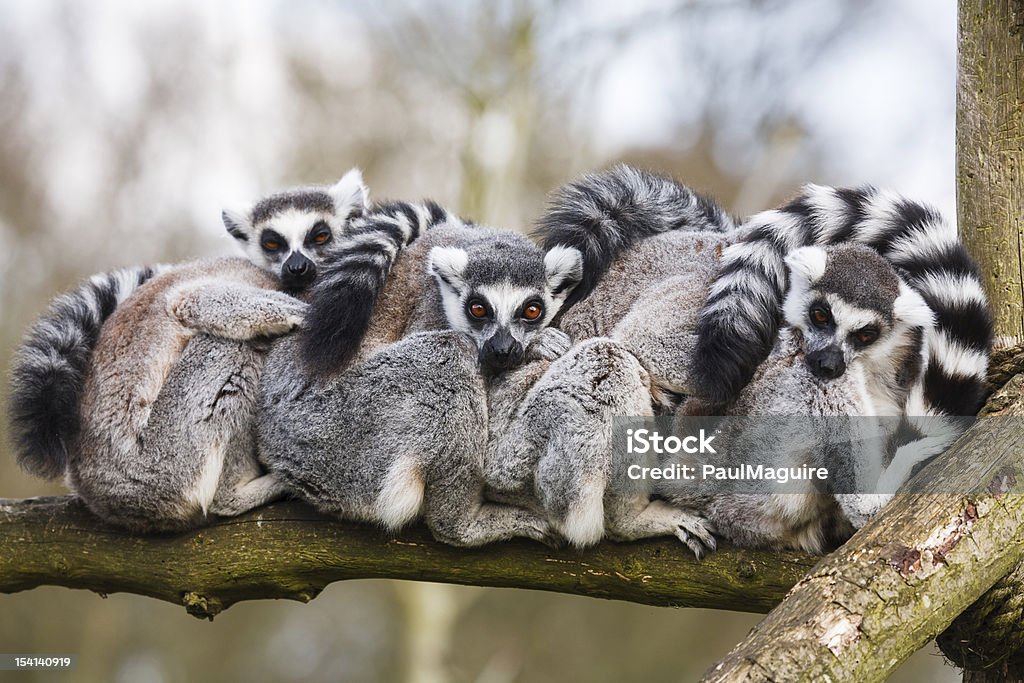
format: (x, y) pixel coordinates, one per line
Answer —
(988, 639)
(289, 551)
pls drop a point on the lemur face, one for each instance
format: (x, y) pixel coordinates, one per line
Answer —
(850, 306)
(502, 291)
(288, 233)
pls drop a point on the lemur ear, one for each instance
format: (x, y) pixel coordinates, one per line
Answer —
(238, 223)
(563, 270)
(911, 309)
(350, 194)
(808, 262)
(448, 265)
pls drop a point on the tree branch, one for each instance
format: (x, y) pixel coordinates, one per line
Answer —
(905, 576)
(289, 551)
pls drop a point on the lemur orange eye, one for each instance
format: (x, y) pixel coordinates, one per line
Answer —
(270, 240)
(820, 316)
(319, 234)
(533, 311)
(477, 310)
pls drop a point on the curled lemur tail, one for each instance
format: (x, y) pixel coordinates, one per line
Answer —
(49, 368)
(738, 322)
(346, 292)
(603, 214)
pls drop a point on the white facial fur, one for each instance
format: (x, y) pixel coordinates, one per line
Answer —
(806, 266)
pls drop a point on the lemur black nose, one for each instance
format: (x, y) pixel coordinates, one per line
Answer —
(297, 271)
(827, 363)
(501, 351)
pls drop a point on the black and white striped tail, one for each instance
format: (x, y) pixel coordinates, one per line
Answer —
(49, 368)
(346, 292)
(737, 324)
(603, 214)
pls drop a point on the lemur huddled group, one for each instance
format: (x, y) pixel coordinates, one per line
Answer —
(391, 362)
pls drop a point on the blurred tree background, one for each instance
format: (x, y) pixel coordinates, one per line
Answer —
(127, 126)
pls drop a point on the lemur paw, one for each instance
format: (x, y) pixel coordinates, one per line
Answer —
(550, 345)
(859, 508)
(697, 533)
(283, 316)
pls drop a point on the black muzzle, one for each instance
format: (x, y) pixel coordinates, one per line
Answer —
(298, 272)
(501, 352)
(827, 363)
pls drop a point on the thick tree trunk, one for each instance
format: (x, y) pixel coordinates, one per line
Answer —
(990, 152)
(990, 197)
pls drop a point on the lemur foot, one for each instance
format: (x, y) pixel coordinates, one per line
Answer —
(859, 508)
(549, 536)
(697, 533)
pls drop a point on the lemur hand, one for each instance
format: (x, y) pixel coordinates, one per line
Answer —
(550, 345)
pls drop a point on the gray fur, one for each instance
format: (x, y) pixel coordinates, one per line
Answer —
(551, 448)
(370, 444)
(871, 282)
(49, 368)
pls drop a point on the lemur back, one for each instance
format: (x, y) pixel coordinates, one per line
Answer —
(140, 472)
(49, 368)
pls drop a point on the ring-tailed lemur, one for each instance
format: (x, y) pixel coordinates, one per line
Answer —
(739, 320)
(846, 308)
(400, 433)
(166, 434)
(497, 287)
(287, 234)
